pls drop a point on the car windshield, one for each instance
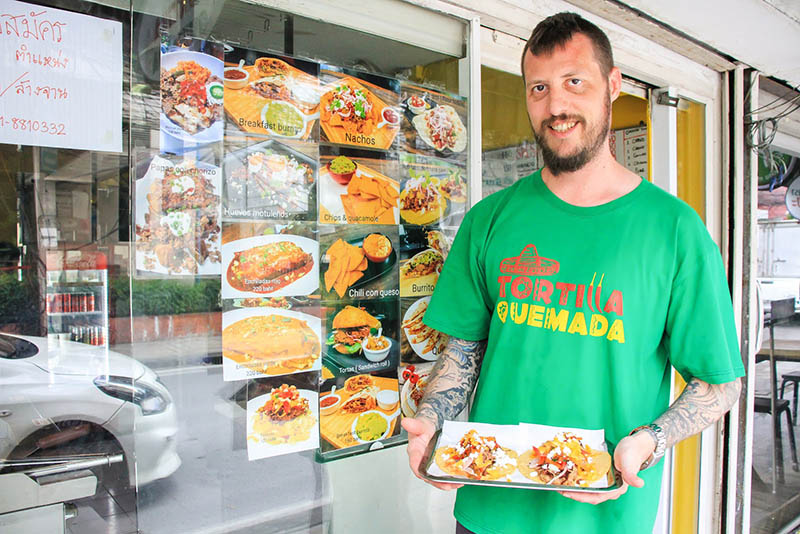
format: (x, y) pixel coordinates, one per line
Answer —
(14, 348)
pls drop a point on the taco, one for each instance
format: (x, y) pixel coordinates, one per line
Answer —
(477, 457)
(564, 461)
(441, 128)
(421, 202)
(454, 187)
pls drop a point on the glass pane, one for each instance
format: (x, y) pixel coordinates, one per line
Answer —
(776, 481)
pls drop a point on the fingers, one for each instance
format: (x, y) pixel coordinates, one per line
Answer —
(630, 476)
(595, 498)
(417, 427)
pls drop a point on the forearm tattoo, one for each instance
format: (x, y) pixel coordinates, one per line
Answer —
(452, 380)
(698, 406)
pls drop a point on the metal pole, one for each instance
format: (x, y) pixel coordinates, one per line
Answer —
(777, 463)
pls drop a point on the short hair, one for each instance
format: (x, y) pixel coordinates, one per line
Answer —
(556, 30)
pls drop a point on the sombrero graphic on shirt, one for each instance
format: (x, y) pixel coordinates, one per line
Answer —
(529, 263)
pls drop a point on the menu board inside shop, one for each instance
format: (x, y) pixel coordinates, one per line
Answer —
(54, 66)
(335, 202)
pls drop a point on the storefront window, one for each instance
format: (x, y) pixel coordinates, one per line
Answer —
(775, 478)
(238, 284)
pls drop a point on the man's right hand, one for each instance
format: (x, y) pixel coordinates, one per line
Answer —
(420, 431)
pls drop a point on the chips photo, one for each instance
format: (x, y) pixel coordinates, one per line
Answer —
(346, 266)
(370, 199)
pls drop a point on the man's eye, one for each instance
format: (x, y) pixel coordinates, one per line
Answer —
(575, 81)
(537, 88)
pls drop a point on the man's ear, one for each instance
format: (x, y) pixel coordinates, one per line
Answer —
(614, 83)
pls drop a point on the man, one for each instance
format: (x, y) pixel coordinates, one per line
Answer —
(573, 293)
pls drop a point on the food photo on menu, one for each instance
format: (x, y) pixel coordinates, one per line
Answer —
(358, 262)
(282, 415)
(526, 455)
(269, 340)
(271, 95)
(358, 410)
(433, 190)
(423, 251)
(270, 179)
(269, 259)
(192, 95)
(358, 109)
(357, 186)
(433, 122)
(177, 217)
(360, 337)
(419, 343)
(413, 379)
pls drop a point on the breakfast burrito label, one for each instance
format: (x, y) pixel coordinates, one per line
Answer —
(361, 337)
(433, 191)
(358, 262)
(433, 123)
(282, 415)
(358, 186)
(192, 96)
(358, 109)
(270, 179)
(271, 95)
(177, 214)
(357, 410)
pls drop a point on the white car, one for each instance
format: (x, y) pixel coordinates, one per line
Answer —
(64, 398)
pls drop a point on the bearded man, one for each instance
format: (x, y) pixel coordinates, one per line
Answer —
(634, 287)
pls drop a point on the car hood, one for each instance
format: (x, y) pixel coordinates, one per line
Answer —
(79, 359)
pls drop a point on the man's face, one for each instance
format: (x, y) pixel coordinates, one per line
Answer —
(569, 104)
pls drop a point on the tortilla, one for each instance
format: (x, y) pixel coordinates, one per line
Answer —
(589, 471)
(459, 132)
(445, 463)
(426, 217)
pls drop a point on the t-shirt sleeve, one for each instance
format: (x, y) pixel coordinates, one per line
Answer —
(460, 305)
(700, 331)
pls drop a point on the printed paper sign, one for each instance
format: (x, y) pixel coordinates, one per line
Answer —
(60, 78)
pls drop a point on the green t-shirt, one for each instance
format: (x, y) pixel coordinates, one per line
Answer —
(585, 310)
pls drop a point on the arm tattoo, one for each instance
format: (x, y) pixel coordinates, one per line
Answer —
(452, 380)
(698, 406)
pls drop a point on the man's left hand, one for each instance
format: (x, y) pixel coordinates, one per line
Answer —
(630, 454)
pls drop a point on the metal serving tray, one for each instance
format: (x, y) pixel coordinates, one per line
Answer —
(428, 460)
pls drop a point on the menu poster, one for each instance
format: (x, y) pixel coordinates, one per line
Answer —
(269, 259)
(271, 95)
(361, 337)
(192, 94)
(358, 186)
(270, 338)
(419, 343)
(358, 262)
(413, 379)
(358, 109)
(358, 410)
(177, 214)
(432, 190)
(433, 123)
(282, 415)
(270, 179)
(422, 254)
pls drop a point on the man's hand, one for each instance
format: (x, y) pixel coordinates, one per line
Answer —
(630, 454)
(420, 431)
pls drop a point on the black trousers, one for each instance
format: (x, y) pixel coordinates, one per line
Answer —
(461, 529)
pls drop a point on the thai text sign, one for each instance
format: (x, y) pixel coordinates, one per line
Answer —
(60, 78)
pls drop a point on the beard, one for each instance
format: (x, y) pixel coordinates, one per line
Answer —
(593, 140)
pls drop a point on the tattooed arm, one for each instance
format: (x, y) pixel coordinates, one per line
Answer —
(698, 406)
(452, 380)
(449, 386)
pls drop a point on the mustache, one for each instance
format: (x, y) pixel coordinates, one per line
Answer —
(563, 118)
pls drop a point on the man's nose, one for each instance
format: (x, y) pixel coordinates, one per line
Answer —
(558, 102)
